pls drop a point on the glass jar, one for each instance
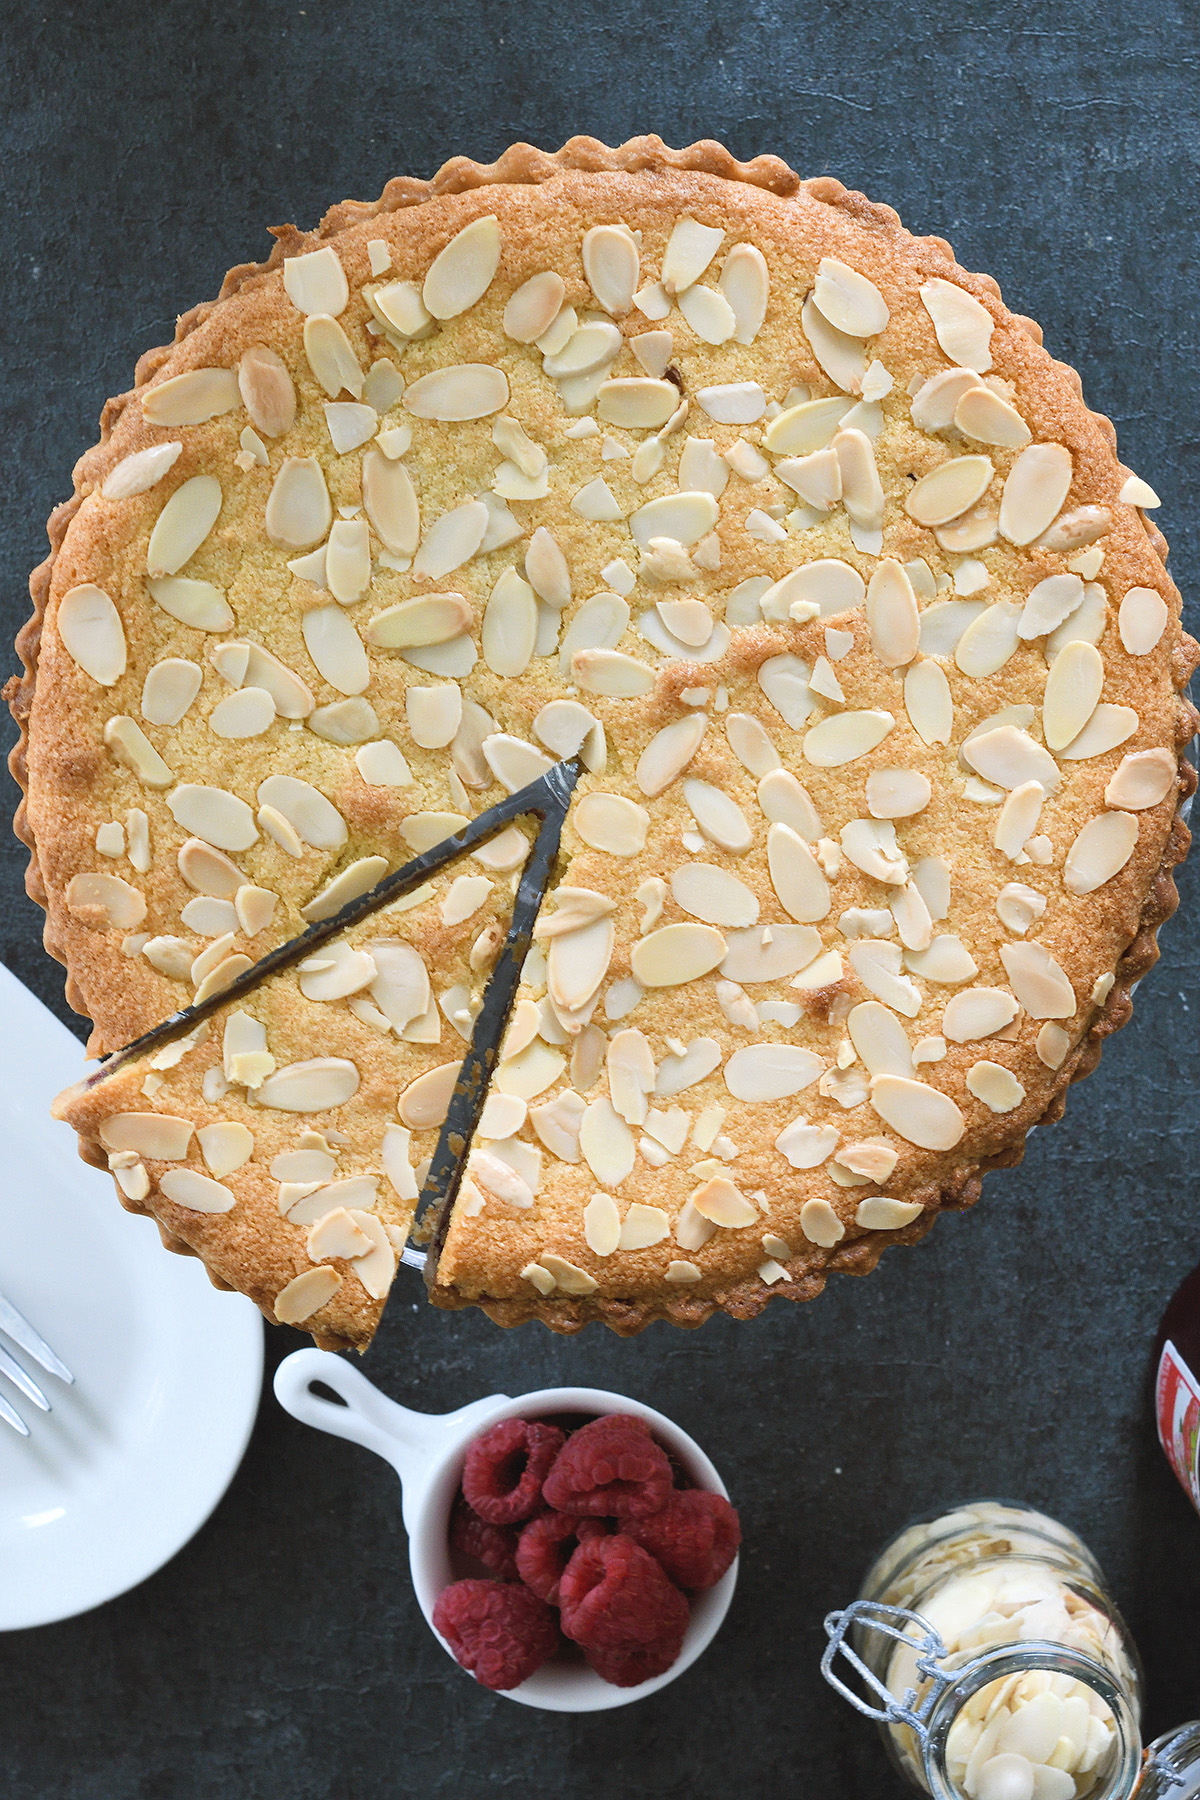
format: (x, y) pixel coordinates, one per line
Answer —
(1031, 1690)
(1173, 1765)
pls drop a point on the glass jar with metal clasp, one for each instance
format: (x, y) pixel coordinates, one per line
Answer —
(997, 1663)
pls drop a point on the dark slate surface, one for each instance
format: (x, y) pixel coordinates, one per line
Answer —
(145, 148)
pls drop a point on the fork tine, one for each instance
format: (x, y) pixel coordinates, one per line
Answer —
(11, 1367)
(18, 1328)
(12, 1417)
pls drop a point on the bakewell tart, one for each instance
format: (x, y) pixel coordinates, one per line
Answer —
(798, 537)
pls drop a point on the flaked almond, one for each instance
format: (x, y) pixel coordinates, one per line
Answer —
(962, 325)
(196, 1192)
(306, 1294)
(849, 300)
(996, 1086)
(316, 282)
(638, 402)
(722, 1203)
(676, 954)
(880, 1213)
(892, 614)
(771, 1071)
(452, 540)
(820, 1224)
(987, 417)
(949, 490)
(1034, 491)
(92, 633)
(462, 391)
(1039, 982)
(989, 640)
(712, 894)
(1073, 690)
(169, 689)
(977, 1012)
(139, 472)
(191, 398)
(534, 307)
(843, 737)
(214, 814)
(1143, 779)
(424, 620)
(745, 283)
(919, 1113)
(267, 391)
(1100, 851)
(336, 649)
(1142, 619)
(842, 357)
(462, 272)
(183, 524)
(391, 502)
(880, 1040)
(299, 511)
(785, 681)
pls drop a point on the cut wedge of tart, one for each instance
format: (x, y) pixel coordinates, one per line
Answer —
(785, 523)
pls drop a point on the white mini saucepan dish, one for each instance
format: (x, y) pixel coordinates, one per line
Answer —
(427, 1452)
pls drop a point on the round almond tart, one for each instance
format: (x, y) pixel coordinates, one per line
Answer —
(785, 523)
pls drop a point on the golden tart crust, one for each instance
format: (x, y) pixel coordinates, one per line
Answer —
(726, 1217)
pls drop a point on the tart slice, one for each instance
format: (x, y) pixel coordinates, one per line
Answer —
(284, 1139)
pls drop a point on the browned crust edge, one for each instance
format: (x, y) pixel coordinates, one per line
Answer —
(523, 164)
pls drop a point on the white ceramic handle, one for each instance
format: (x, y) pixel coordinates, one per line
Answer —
(414, 1443)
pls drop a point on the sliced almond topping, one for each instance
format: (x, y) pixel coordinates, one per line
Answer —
(882, 1042)
(1142, 620)
(771, 1071)
(877, 966)
(796, 876)
(1039, 982)
(638, 401)
(138, 473)
(195, 603)
(191, 398)
(1136, 492)
(534, 307)
(996, 1086)
(722, 1203)
(843, 737)
(962, 325)
(784, 680)
(1107, 727)
(255, 907)
(452, 540)
(643, 1226)
(892, 614)
(751, 745)
(1049, 603)
(920, 1114)
(196, 1192)
(711, 893)
(159, 1136)
(1052, 1046)
(1143, 779)
(785, 801)
(1009, 757)
(183, 524)
(306, 1294)
(977, 1012)
(1017, 819)
(669, 752)
(1100, 851)
(426, 619)
(169, 689)
(879, 1213)
(611, 672)
(806, 428)
(690, 249)
(602, 1225)
(570, 1279)
(708, 313)
(336, 649)
(983, 415)
(225, 1146)
(936, 401)
(746, 285)
(820, 1224)
(806, 1146)
(1073, 690)
(1018, 906)
(685, 517)
(299, 511)
(676, 954)
(465, 391)
(947, 960)
(849, 300)
(816, 478)
(215, 815)
(578, 962)
(830, 585)
(462, 272)
(733, 402)
(842, 357)
(611, 823)
(91, 631)
(606, 1143)
(541, 1278)
(391, 502)
(720, 819)
(897, 793)
(267, 390)
(949, 490)
(861, 489)
(316, 282)
(1034, 491)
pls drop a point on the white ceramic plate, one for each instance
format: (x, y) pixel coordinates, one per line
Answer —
(168, 1371)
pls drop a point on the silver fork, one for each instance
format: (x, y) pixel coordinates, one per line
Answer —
(16, 1326)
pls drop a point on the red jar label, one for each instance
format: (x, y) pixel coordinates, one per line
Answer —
(1177, 1408)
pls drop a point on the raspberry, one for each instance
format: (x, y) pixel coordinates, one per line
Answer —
(495, 1546)
(611, 1466)
(627, 1668)
(544, 1549)
(497, 1629)
(694, 1538)
(503, 1474)
(614, 1596)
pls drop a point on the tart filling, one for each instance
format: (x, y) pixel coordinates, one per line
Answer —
(796, 535)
